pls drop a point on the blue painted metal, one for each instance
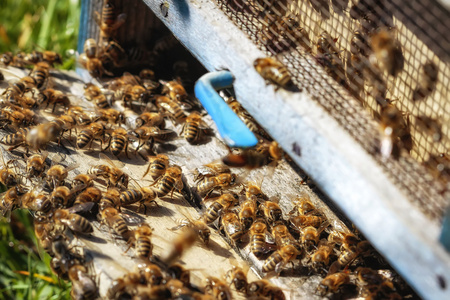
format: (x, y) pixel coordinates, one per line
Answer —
(234, 132)
(445, 232)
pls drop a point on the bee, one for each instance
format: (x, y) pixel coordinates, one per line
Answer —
(36, 165)
(169, 182)
(80, 116)
(142, 195)
(94, 66)
(91, 194)
(175, 91)
(61, 196)
(341, 235)
(150, 119)
(332, 283)
(157, 166)
(42, 229)
(37, 203)
(40, 136)
(207, 185)
(180, 245)
(144, 246)
(213, 211)
(282, 236)
(90, 48)
(109, 21)
(110, 198)
(303, 204)
(429, 126)
(75, 222)
(194, 127)
(248, 120)
(273, 71)
(17, 139)
(17, 116)
(51, 96)
(113, 175)
(310, 235)
(147, 135)
(326, 44)
(94, 132)
(349, 254)
(247, 158)
(57, 174)
(258, 232)
(229, 222)
(199, 226)
(40, 74)
(238, 277)
(323, 253)
(82, 181)
(91, 91)
(427, 82)
(51, 57)
(8, 177)
(154, 276)
(217, 288)
(264, 288)
(136, 93)
(118, 142)
(280, 258)
(247, 213)
(83, 286)
(110, 216)
(10, 200)
(387, 51)
(302, 221)
(6, 58)
(172, 108)
(272, 211)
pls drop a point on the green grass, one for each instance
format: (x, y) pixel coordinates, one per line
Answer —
(40, 24)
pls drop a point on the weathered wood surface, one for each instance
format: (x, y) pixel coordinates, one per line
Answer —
(108, 254)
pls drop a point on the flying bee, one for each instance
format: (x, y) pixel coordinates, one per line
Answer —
(194, 127)
(90, 194)
(427, 81)
(83, 286)
(170, 107)
(263, 288)
(198, 225)
(75, 222)
(142, 242)
(57, 174)
(40, 74)
(323, 253)
(229, 222)
(118, 142)
(38, 137)
(247, 213)
(150, 119)
(217, 288)
(113, 175)
(223, 203)
(111, 217)
(258, 232)
(332, 283)
(169, 182)
(109, 21)
(429, 126)
(157, 166)
(180, 245)
(207, 185)
(387, 51)
(94, 132)
(36, 165)
(272, 211)
(273, 71)
(247, 158)
(277, 260)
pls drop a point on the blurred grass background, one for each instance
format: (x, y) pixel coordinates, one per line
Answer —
(27, 25)
(40, 24)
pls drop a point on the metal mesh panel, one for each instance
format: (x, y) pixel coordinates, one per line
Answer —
(383, 53)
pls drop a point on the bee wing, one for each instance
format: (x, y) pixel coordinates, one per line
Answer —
(117, 164)
(339, 226)
(179, 184)
(72, 167)
(58, 158)
(132, 219)
(83, 207)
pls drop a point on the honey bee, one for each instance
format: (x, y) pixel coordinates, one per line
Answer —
(10, 200)
(142, 195)
(208, 185)
(154, 276)
(258, 232)
(170, 107)
(169, 182)
(230, 224)
(17, 139)
(109, 21)
(94, 66)
(217, 288)
(247, 213)
(248, 120)
(175, 90)
(110, 198)
(310, 235)
(180, 245)
(36, 165)
(6, 58)
(247, 158)
(277, 260)
(341, 235)
(42, 229)
(90, 48)
(75, 222)
(303, 204)
(272, 211)
(194, 127)
(8, 177)
(83, 286)
(80, 116)
(157, 166)
(302, 221)
(143, 245)
(282, 235)
(83, 181)
(114, 176)
(51, 57)
(57, 174)
(118, 142)
(51, 96)
(238, 277)
(332, 283)
(213, 211)
(40, 136)
(61, 196)
(349, 254)
(113, 51)
(323, 253)
(150, 119)
(147, 135)
(136, 93)
(94, 132)
(199, 226)
(387, 51)
(273, 71)
(40, 74)
(429, 126)
(427, 82)
(177, 271)
(264, 288)
(17, 116)
(36, 203)
(90, 194)
(110, 216)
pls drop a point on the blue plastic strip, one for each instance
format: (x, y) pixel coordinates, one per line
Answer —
(445, 233)
(234, 132)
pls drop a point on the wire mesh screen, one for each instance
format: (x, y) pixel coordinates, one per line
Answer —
(392, 56)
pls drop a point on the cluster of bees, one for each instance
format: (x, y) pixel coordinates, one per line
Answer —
(374, 54)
